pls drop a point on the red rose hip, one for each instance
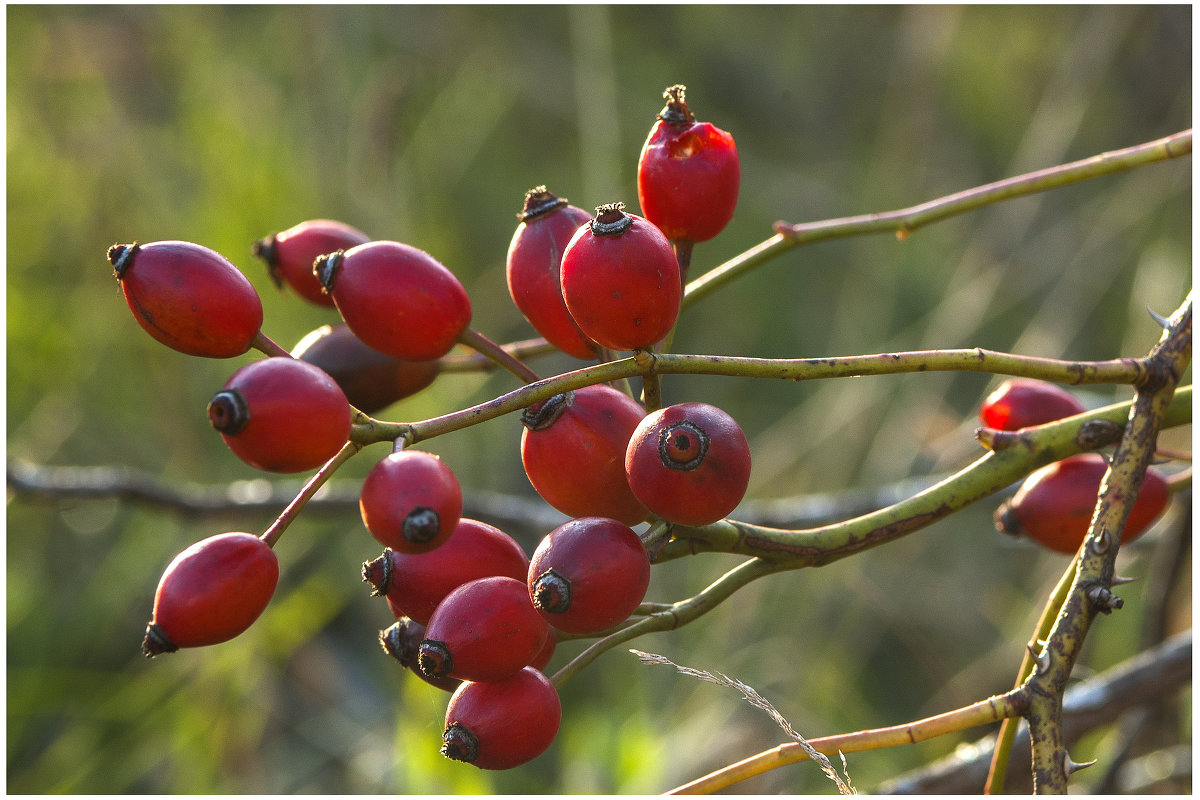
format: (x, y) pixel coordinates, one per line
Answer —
(290, 254)
(532, 269)
(573, 450)
(414, 583)
(689, 463)
(1054, 505)
(190, 298)
(620, 280)
(1021, 402)
(396, 298)
(502, 724)
(688, 174)
(411, 501)
(281, 414)
(211, 592)
(588, 575)
(484, 630)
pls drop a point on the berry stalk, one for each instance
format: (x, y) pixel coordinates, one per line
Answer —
(486, 347)
(275, 530)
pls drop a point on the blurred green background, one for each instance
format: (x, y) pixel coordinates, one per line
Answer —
(427, 124)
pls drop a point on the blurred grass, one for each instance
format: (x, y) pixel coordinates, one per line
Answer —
(427, 124)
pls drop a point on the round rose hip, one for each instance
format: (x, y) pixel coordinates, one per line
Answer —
(620, 280)
(588, 575)
(573, 450)
(290, 254)
(396, 298)
(414, 583)
(1021, 402)
(688, 173)
(371, 380)
(502, 724)
(411, 501)
(484, 630)
(281, 414)
(689, 463)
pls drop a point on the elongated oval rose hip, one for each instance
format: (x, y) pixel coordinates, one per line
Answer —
(211, 592)
(532, 268)
(290, 254)
(396, 298)
(190, 298)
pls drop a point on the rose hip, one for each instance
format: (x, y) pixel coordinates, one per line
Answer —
(281, 414)
(190, 298)
(211, 592)
(290, 254)
(532, 268)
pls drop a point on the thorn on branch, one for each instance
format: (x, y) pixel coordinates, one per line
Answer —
(1041, 660)
(1162, 321)
(1104, 600)
(1073, 766)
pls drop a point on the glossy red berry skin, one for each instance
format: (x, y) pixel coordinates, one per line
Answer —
(414, 583)
(211, 592)
(688, 174)
(281, 414)
(588, 575)
(1022, 402)
(399, 300)
(573, 450)
(411, 501)
(371, 380)
(484, 630)
(532, 268)
(689, 463)
(290, 254)
(502, 724)
(620, 280)
(190, 298)
(1054, 505)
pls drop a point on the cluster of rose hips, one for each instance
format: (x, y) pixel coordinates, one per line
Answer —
(474, 614)
(1053, 506)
